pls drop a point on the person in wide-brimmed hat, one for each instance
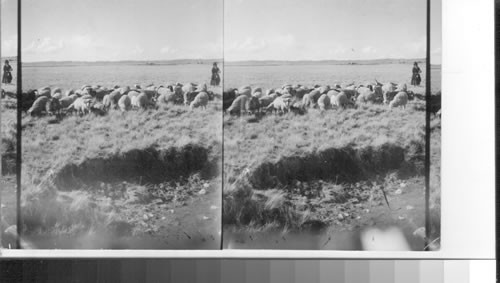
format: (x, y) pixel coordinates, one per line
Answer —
(215, 81)
(415, 78)
(7, 75)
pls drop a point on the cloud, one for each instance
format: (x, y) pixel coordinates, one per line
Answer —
(206, 50)
(44, 45)
(9, 46)
(138, 50)
(251, 48)
(168, 50)
(369, 50)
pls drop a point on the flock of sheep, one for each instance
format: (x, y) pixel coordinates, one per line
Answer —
(98, 99)
(300, 98)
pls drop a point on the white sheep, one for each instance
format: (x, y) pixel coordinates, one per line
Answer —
(400, 100)
(201, 100)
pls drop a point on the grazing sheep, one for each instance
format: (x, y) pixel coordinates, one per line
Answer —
(150, 87)
(53, 106)
(44, 92)
(267, 99)
(56, 90)
(314, 95)
(131, 94)
(167, 96)
(201, 100)
(253, 104)
(257, 94)
(87, 96)
(324, 89)
(332, 93)
(150, 93)
(400, 100)
(81, 106)
(85, 87)
(239, 105)
(98, 108)
(114, 96)
(245, 90)
(106, 100)
(372, 94)
(189, 97)
(402, 87)
(38, 106)
(324, 102)
(307, 101)
(124, 90)
(388, 91)
(100, 93)
(142, 101)
(29, 98)
(340, 100)
(66, 101)
(57, 95)
(257, 90)
(186, 91)
(300, 92)
(351, 93)
(228, 96)
(125, 103)
(279, 105)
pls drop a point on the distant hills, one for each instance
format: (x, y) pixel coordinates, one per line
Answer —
(227, 63)
(125, 62)
(324, 62)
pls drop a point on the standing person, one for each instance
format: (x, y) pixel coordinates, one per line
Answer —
(415, 78)
(215, 75)
(7, 75)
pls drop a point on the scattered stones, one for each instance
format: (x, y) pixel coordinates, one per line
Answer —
(340, 216)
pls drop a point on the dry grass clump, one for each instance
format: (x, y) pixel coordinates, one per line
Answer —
(9, 139)
(347, 145)
(90, 144)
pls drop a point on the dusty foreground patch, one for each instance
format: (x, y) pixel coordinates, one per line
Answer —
(320, 180)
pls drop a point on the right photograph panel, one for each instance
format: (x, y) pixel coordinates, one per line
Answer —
(325, 125)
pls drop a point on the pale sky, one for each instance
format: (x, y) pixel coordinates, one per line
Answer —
(324, 29)
(93, 30)
(8, 26)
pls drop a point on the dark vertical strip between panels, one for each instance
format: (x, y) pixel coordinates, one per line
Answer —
(428, 128)
(497, 120)
(19, 128)
(222, 142)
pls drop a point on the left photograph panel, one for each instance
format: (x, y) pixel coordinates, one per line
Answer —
(121, 124)
(8, 125)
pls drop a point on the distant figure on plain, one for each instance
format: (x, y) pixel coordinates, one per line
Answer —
(215, 81)
(7, 75)
(416, 79)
